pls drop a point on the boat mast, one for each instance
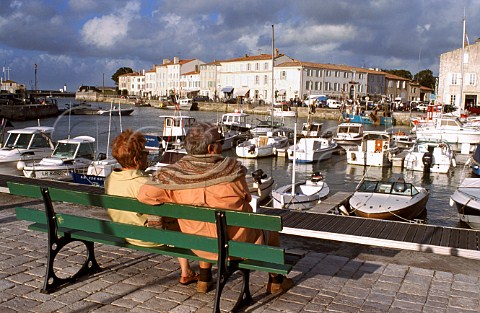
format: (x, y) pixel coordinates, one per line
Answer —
(461, 107)
(273, 73)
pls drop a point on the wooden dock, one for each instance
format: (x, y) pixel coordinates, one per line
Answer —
(390, 234)
(331, 203)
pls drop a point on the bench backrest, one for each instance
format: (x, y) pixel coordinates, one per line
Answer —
(262, 253)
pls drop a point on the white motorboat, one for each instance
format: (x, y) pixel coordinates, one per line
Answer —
(26, 145)
(312, 129)
(449, 129)
(301, 195)
(174, 130)
(96, 172)
(349, 134)
(69, 155)
(283, 110)
(264, 127)
(236, 121)
(312, 149)
(376, 149)
(427, 156)
(262, 146)
(388, 200)
(467, 201)
(184, 104)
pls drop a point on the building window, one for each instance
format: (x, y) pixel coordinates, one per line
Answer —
(265, 79)
(472, 79)
(337, 73)
(283, 75)
(454, 79)
(257, 80)
(257, 66)
(265, 66)
(345, 74)
(317, 84)
(327, 86)
(249, 67)
(327, 73)
(452, 99)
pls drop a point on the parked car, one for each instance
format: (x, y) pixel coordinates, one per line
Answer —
(334, 104)
(421, 107)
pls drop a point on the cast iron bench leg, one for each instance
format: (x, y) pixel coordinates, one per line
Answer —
(55, 244)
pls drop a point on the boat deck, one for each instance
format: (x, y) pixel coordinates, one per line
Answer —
(390, 234)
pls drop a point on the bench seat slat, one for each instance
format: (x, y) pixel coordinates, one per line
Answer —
(236, 249)
(283, 269)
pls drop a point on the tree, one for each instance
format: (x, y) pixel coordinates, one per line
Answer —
(402, 73)
(425, 78)
(121, 71)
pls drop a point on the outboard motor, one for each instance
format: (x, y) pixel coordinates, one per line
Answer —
(251, 149)
(258, 175)
(316, 177)
(427, 160)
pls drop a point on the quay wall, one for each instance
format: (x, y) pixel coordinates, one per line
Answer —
(401, 118)
(25, 112)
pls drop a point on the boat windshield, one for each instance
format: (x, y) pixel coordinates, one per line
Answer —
(19, 141)
(396, 188)
(65, 150)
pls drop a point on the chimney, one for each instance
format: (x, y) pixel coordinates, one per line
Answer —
(175, 60)
(166, 61)
(276, 53)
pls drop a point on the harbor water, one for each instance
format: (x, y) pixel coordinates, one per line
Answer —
(339, 175)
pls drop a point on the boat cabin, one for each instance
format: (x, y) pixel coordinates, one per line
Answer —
(29, 138)
(78, 147)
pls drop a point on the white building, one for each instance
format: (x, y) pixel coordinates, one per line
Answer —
(249, 77)
(169, 75)
(450, 80)
(133, 83)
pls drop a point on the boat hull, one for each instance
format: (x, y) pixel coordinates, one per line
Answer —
(380, 206)
(467, 202)
(283, 198)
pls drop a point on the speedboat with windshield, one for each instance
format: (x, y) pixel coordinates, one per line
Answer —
(69, 155)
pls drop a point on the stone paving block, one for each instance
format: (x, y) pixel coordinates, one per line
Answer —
(355, 292)
(93, 285)
(72, 296)
(411, 298)
(386, 288)
(380, 298)
(413, 288)
(395, 270)
(183, 309)
(285, 306)
(400, 304)
(120, 288)
(125, 303)
(47, 307)
(464, 286)
(158, 304)
(20, 304)
(81, 306)
(466, 278)
(433, 309)
(372, 267)
(172, 296)
(443, 276)
(374, 307)
(464, 303)
(342, 307)
(19, 290)
(102, 297)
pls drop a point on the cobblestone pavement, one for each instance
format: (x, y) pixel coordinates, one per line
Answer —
(329, 277)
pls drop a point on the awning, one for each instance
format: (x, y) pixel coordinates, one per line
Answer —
(281, 92)
(241, 91)
(227, 89)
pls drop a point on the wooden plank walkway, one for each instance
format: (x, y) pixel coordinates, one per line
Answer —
(330, 203)
(390, 234)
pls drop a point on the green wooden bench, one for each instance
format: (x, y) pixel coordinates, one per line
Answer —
(65, 228)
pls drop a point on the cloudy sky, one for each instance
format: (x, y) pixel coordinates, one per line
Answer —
(79, 42)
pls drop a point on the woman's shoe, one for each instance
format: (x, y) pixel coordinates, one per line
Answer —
(279, 283)
(204, 286)
(189, 279)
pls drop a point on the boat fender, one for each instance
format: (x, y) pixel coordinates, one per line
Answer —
(20, 165)
(454, 162)
(354, 156)
(343, 210)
